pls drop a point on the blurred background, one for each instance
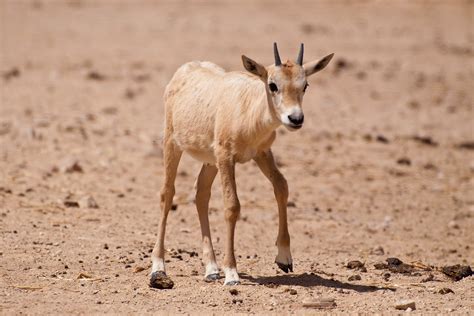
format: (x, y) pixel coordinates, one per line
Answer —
(384, 161)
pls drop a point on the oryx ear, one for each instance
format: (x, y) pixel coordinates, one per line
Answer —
(314, 66)
(254, 67)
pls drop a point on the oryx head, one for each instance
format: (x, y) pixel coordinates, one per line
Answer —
(286, 84)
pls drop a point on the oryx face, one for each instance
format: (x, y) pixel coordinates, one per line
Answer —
(286, 85)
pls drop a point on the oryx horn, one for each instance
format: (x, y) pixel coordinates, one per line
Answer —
(277, 55)
(299, 60)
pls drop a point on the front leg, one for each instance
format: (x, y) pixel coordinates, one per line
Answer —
(226, 167)
(266, 163)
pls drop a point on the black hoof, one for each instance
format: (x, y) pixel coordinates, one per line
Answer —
(285, 267)
(159, 280)
(212, 277)
(232, 283)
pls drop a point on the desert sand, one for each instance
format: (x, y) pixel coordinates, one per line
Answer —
(382, 168)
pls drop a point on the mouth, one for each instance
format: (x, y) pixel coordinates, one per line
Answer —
(293, 127)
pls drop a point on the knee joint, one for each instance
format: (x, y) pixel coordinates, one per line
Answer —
(167, 194)
(232, 210)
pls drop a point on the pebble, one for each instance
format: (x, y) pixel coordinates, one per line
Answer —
(88, 202)
(233, 292)
(354, 277)
(70, 166)
(354, 264)
(159, 280)
(379, 251)
(457, 272)
(405, 304)
(453, 225)
(69, 203)
(445, 290)
(322, 303)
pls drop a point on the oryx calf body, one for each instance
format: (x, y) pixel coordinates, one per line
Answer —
(223, 118)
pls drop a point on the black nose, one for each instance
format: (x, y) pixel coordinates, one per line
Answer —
(296, 119)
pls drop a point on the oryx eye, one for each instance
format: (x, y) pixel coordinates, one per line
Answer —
(305, 86)
(273, 87)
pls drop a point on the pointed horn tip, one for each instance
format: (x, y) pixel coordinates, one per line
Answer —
(299, 59)
(277, 55)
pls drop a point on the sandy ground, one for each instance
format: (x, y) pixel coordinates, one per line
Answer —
(383, 161)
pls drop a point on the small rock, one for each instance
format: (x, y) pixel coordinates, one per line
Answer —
(237, 301)
(404, 161)
(233, 292)
(397, 266)
(174, 207)
(394, 261)
(445, 290)
(322, 303)
(354, 264)
(341, 64)
(354, 278)
(5, 190)
(457, 272)
(425, 140)
(382, 139)
(138, 269)
(271, 285)
(453, 225)
(88, 202)
(386, 276)
(12, 73)
(405, 304)
(94, 75)
(159, 280)
(466, 145)
(293, 292)
(69, 203)
(291, 204)
(430, 166)
(71, 166)
(378, 251)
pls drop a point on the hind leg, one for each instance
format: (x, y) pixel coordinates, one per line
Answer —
(203, 194)
(171, 157)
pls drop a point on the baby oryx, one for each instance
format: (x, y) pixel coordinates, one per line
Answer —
(221, 118)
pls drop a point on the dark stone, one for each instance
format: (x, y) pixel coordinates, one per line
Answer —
(354, 278)
(355, 264)
(445, 290)
(457, 272)
(159, 280)
(394, 261)
(233, 292)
